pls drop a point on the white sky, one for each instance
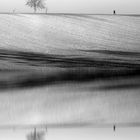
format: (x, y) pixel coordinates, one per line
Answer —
(77, 6)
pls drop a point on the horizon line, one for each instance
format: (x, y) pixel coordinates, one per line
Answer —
(11, 13)
(72, 125)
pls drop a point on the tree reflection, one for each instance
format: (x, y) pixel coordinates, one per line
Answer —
(36, 135)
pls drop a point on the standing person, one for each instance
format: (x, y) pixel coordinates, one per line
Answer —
(114, 12)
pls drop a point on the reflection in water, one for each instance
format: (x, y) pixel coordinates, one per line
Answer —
(36, 135)
(108, 60)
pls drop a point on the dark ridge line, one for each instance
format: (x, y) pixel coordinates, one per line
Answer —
(24, 53)
(39, 59)
(71, 62)
(34, 54)
(124, 53)
(71, 76)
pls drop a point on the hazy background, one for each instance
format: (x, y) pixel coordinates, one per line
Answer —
(77, 6)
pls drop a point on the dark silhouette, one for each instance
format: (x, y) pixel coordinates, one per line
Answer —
(36, 4)
(114, 12)
(114, 128)
(36, 135)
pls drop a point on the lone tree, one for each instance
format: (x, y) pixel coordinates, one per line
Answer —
(36, 4)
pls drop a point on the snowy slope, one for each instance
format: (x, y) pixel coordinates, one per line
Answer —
(46, 33)
(69, 69)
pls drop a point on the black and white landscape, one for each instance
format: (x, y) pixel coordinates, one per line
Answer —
(69, 69)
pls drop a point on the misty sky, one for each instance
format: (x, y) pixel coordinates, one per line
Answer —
(77, 6)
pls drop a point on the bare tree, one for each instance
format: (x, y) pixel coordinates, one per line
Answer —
(36, 4)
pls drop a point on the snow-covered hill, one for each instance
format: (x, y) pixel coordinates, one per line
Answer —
(48, 33)
(69, 69)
